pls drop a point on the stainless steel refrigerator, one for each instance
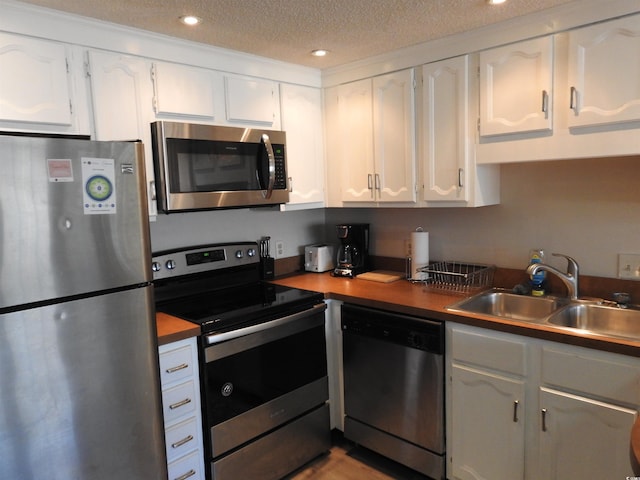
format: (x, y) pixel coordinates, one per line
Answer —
(79, 380)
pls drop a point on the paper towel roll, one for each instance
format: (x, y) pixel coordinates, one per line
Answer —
(419, 253)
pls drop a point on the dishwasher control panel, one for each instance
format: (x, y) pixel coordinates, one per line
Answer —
(409, 331)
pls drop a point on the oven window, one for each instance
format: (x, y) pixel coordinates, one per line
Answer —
(240, 382)
(212, 166)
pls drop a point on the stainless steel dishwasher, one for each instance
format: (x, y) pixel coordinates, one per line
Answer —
(394, 386)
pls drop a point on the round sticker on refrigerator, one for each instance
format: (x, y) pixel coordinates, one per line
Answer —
(99, 188)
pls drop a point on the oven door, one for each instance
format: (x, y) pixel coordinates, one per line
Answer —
(260, 377)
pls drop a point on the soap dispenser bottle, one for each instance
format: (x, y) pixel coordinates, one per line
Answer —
(537, 280)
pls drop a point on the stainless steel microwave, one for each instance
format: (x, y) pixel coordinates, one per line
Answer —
(203, 167)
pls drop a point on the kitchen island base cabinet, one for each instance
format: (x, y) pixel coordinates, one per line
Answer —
(532, 409)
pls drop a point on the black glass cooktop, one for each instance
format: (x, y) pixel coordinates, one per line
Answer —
(229, 308)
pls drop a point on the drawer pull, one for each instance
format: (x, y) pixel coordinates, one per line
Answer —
(179, 443)
(177, 368)
(179, 404)
(544, 419)
(515, 410)
(190, 473)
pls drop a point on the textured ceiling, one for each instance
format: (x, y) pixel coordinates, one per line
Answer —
(288, 30)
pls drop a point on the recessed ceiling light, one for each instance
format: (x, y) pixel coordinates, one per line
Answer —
(495, 2)
(319, 52)
(190, 20)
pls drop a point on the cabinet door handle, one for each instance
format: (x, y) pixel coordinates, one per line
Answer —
(370, 182)
(179, 443)
(544, 419)
(573, 99)
(179, 404)
(177, 368)
(461, 177)
(377, 182)
(290, 184)
(515, 410)
(545, 103)
(190, 473)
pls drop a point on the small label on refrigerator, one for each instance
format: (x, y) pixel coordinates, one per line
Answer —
(99, 191)
(60, 169)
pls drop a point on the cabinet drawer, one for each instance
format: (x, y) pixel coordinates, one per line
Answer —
(176, 365)
(178, 401)
(182, 438)
(493, 350)
(600, 374)
(186, 468)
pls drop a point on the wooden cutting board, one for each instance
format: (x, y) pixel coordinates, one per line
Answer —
(383, 276)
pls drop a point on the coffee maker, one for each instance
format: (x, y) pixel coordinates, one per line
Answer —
(353, 252)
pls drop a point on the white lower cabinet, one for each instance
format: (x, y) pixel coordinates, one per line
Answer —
(531, 409)
(488, 440)
(592, 435)
(181, 408)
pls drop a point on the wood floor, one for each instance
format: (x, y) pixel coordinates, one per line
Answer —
(346, 461)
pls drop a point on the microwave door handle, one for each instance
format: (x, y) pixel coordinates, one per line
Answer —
(272, 164)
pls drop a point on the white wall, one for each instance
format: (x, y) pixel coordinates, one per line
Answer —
(589, 209)
(296, 229)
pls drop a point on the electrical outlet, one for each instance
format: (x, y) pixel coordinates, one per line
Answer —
(279, 249)
(629, 266)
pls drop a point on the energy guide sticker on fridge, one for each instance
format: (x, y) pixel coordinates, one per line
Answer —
(99, 186)
(60, 170)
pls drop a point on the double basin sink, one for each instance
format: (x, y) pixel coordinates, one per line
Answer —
(578, 316)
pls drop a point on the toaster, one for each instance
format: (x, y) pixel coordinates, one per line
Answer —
(318, 258)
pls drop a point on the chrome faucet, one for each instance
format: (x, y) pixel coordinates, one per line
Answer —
(570, 279)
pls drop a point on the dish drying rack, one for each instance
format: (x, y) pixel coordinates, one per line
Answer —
(458, 277)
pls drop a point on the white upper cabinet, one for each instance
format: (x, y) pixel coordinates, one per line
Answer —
(604, 73)
(394, 136)
(252, 101)
(445, 129)
(516, 85)
(183, 91)
(301, 113)
(377, 139)
(354, 168)
(122, 98)
(39, 83)
(447, 135)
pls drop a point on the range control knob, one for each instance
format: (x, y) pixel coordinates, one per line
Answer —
(156, 267)
(251, 252)
(171, 264)
(239, 254)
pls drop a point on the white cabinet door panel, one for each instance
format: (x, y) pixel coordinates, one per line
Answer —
(488, 425)
(302, 121)
(516, 87)
(183, 90)
(604, 73)
(34, 83)
(445, 126)
(583, 438)
(394, 141)
(251, 100)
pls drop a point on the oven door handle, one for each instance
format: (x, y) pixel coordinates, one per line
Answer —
(241, 332)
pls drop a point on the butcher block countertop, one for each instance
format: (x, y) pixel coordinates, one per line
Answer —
(416, 299)
(171, 329)
(413, 299)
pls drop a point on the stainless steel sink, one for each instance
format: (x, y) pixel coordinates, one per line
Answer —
(503, 303)
(599, 319)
